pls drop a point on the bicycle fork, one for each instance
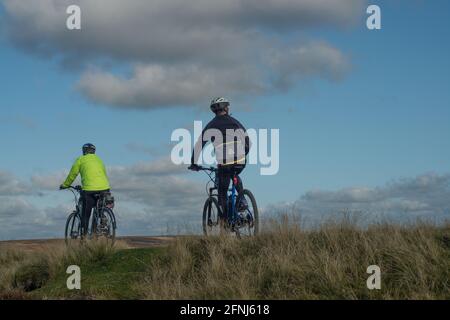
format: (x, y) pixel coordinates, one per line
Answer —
(232, 218)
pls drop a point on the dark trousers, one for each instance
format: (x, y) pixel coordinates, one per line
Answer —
(225, 175)
(89, 200)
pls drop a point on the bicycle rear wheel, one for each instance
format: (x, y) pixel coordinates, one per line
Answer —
(211, 217)
(249, 218)
(73, 227)
(104, 225)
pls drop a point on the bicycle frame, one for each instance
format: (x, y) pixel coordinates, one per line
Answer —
(233, 202)
(232, 216)
(77, 198)
(97, 210)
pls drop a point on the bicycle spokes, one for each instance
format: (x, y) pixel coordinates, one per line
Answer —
(74, 234)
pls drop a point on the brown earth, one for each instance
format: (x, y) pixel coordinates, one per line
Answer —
(44, 244)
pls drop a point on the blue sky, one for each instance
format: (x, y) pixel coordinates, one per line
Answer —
(386, 118)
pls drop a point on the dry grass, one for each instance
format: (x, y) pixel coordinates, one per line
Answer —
(284, 262)
(10, 261)
(22, 271)
(289, 263)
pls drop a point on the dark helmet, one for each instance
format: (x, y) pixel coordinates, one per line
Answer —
(88, 148)
(219, 104)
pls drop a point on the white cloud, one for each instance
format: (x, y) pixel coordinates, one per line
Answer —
(21, 219)
(157, 197)
(167, 30)
(49, 182)
(14, 207)
(151, 198)
(321, 59)
(179, 51)
(11, 185)
(425, 196)
(154, 86)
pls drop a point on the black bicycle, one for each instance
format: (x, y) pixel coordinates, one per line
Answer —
(243, 217)
(103, 221)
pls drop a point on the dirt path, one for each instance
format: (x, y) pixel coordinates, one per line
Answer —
(44, 244)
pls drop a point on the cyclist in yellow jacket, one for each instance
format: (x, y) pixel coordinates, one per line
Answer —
(94, 181)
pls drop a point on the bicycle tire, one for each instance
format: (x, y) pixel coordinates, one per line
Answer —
(112, 218)
(209, 203)
(254, 212)
(112, 222)
(71, 220)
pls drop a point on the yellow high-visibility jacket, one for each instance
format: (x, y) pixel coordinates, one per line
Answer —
(92, 171)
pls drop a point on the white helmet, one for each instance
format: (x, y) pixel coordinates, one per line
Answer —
(219, 104)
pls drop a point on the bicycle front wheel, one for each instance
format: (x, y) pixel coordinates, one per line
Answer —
(211, 217)
(73, 227)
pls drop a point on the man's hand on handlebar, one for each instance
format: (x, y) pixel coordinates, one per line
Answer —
(78, 188)
(194, 167)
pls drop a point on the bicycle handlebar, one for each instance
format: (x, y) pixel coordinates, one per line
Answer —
(76, 188)
(200, 168)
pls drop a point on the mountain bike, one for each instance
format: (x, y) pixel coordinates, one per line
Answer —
(243, 220)
(103, 221)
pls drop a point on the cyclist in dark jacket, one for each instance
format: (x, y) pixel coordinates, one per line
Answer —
(231, 145)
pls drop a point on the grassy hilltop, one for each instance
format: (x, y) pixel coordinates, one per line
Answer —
(286, 262)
